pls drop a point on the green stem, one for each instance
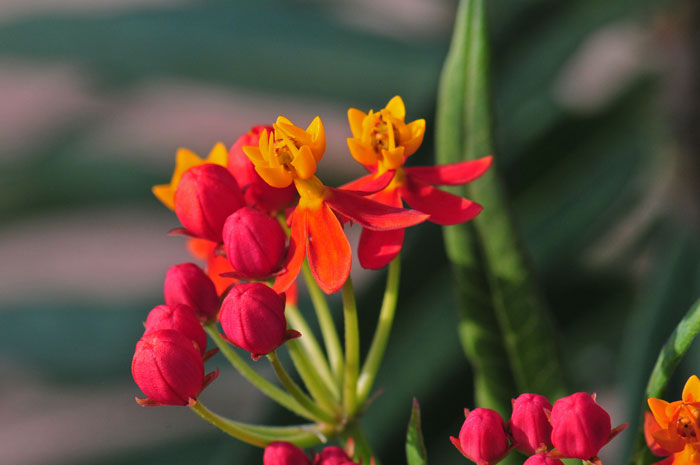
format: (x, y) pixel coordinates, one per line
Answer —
(352, 350)
(381, 334)
(267, 388)
(303, 436)
(296, 392)
(325, 320)
(363, 449)
(313, 350)
(311, 378)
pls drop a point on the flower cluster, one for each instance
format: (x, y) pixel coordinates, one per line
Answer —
(575, 427)
(285, 453)
(672, 429)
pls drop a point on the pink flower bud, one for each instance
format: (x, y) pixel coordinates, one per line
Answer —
(187, 284)
(284, 453)
(542, 459)
(482, 438)
(252, 316)
(580, 427)
(257, 192)
(180, 318)
(529, 425)
(254, 242)
(206, 195)
(168, 368)
(333, 455)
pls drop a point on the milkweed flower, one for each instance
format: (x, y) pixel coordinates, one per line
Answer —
(382, 142)
(673, 429)
(289, 154)
(483, 438)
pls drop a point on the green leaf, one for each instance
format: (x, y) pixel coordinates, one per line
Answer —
(415, 447)
(505, 328)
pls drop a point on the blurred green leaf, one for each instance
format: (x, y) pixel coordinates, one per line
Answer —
(415, 448)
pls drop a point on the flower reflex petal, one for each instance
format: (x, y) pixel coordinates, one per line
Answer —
(295, 254)
(453, 174)
(444, 208)
(184, 160)
(328, 249)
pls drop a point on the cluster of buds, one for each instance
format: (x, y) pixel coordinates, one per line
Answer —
(285, 453)
(575, 427)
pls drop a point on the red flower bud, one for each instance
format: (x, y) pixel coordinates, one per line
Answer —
(187, 284)
(180, 318)
(206, 195)
(168, 368)
(284, 453)
(252, 316)
(333, 455)
(482, 438)
(254, 242)
(580, 427)
(542, 459)
(529, 425)
(257, 192)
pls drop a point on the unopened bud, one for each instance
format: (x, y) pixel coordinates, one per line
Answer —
(482, 438)
(580, 427)
(284, 453)
(529, 425)
(180, 318)
(187, 284)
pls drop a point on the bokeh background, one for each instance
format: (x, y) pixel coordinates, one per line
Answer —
(597, 108)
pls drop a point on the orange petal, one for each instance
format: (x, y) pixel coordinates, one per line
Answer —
(318, 138)
(218, 155)
(691, 390)
(362, 153)
(417, 132)
(666, 440)
(396, 108)
(658, 409)
(329, 252)
(304, 162)
(651, 427)
(295, 253)
(355, 117)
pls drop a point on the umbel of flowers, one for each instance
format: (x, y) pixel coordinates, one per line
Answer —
(257, 217)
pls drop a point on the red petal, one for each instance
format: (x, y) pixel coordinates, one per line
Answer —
(453, 174)
(377, 248)
(329, 252)
(371, 214)
(295, 253)
(370, 184)
(444, 208)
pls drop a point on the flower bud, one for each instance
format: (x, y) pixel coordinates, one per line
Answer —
(252, 317)
(187, 284)
(206, 195)
(254, 242)
(529, 425)
(168, 368)
(333, 455)
(580, 427)
(482, 438)
(284, 453)
(180, 318)
(257, 192)
(542, 459)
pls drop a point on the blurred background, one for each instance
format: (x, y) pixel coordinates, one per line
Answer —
(597, 107)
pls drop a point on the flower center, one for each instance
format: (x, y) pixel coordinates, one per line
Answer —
(687, 423)
(383, 134)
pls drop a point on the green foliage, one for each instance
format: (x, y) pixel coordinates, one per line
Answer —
(415, 447)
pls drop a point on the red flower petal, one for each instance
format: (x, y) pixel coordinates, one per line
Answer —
(453, 174)
(370, 184)
(329, 252)
(377, 248)
(651, 427)
(295, 253)
(371, 214)
(444, 208)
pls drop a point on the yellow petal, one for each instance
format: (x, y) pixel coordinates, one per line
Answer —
(304, 163)
(253, 153)
(184, 160)
(691, 391)
(218, 155)
(396, 108)
(393, 158)
(165, 194)
(363, 153)
(283, 120)
(318, 138)
(276, 177)
(658, 409)
(355, 118)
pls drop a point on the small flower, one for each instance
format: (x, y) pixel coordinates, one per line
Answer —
(529, 424)
(187, 284)
(257, 192)
(290, 154)
(382, 142)
(580, 427)
(178, 317)
(169, 369)
(542, 459)
(674, 429)
(254, 243)
(252, 317)
(483, 438)
(205, 197)
(284, 453)
(184, 160)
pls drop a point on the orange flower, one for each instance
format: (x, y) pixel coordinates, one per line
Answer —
(674, 429)
(290, 154)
